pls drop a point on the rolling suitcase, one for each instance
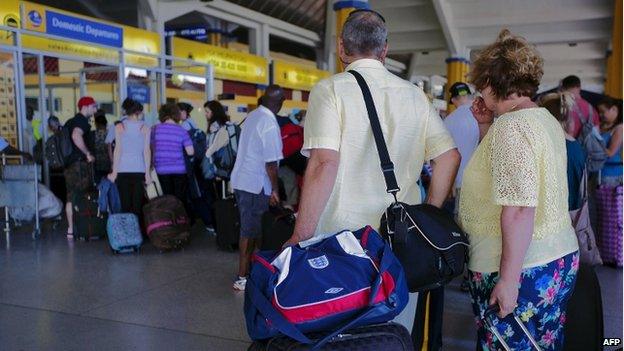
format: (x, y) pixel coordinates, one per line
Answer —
(227, 221)
(584, 329)
(167, 223)
(609, 238)
(122, 229)
(89, 223)
(124, 234)
(387, 337)
(278, 225)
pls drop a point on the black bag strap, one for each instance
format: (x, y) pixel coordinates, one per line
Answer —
(387, 167)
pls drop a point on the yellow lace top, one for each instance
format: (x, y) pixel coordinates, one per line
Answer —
(522, 161)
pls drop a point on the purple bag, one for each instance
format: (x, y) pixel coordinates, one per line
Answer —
(609, 205)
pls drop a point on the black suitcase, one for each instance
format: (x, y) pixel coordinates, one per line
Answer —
(227, 221)
(584, 328)
(89, 223)
(386, 337)
(278, 225)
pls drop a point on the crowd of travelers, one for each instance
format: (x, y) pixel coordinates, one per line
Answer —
(507, 164)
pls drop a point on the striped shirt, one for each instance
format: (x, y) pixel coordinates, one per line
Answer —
(168, 142)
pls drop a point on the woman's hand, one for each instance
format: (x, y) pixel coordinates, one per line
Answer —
(112, 176)
(274, 200)
(148, 178)
(480, 111)
(505, 295)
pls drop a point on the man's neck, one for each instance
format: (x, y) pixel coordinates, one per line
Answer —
(352, 59)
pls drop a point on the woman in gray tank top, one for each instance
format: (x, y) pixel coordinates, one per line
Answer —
(132, 160)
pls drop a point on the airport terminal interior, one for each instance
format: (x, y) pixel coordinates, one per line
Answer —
(65, 290)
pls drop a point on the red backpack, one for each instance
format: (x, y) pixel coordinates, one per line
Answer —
(292, 139)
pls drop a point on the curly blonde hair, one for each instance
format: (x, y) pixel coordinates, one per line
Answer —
(509, 65)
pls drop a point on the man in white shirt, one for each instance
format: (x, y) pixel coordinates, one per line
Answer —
(255, 175)
(344, 186)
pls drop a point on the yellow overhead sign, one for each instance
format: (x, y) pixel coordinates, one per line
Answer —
(9, 16)
(82, 30)
(228, 64)
(296, 76)
(142, 41)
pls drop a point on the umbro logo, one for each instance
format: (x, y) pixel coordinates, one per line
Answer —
(333, 290)
(456, 234)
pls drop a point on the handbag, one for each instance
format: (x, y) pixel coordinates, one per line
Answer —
(429, 244)
(351, 279)
(153, 189)
(582, 227)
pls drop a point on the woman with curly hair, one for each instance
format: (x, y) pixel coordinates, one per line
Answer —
(514, 203)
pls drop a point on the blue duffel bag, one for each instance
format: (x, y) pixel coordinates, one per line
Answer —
(347, 280)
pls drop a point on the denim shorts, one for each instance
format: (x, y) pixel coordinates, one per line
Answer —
(251, 208)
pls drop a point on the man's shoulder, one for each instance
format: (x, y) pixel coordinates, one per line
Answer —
(461, 113)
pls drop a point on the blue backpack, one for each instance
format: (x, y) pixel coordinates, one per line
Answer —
(351, 279)
(198, 137)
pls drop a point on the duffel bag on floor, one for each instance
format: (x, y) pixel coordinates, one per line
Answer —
(345, 281)
(386, 337)
(167, 223)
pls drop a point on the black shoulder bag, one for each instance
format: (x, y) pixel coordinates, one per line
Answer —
(430, 245)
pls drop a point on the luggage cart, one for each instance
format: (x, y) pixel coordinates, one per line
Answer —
(19, 188)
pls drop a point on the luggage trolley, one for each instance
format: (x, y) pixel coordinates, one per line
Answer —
(19, 183)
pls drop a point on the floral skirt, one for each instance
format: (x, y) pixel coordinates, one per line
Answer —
(542, 300)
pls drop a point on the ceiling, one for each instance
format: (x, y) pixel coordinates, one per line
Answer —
(308, 14)
(572, 35)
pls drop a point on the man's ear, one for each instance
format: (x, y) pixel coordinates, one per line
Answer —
(384, 53)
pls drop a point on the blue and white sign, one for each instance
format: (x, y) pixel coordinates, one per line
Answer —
(82, 29)
(193, 33)
(35, 18)
(139, 93)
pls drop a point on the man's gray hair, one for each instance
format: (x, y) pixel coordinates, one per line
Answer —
(364, 34)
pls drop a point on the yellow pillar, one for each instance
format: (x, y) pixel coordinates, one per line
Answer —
(215, 39)
(456, 71)
(343, 9)
(613, 84)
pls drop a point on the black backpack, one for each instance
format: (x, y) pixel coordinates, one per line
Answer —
(53, 153)
(426, 240)
(65, 145)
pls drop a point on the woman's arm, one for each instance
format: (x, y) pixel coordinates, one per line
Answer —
(117, 153)
(517, 224)
(189, 150)
(147, 153)
(615, 145)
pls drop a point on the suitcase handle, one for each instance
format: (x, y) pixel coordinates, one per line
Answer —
(491, 313)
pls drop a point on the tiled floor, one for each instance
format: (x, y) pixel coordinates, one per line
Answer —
(56, 295)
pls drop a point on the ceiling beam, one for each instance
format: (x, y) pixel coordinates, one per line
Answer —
(385, 4)
(445, 16)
